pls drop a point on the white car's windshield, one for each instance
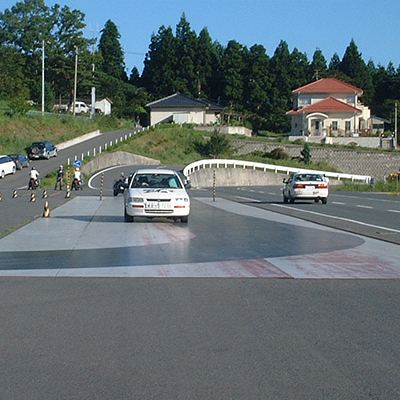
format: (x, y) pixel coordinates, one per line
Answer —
(158, 181)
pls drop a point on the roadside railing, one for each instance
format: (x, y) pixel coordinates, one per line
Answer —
(95, 151)
(216, 163)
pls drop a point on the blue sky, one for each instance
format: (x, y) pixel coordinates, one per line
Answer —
(307, 24)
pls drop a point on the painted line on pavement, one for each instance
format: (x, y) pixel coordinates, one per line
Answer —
(248, 199)
(339, 218)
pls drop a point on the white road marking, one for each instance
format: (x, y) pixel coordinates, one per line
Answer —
(248, 199)
(338, 202)
(362, 206)
(363, 198)
(340, 218)
(395, 211)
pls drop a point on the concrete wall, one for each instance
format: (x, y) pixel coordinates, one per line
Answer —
(231, 130)
(377, 164)
(77, 140)
(117, 158)
(234, 177)
(373, 142)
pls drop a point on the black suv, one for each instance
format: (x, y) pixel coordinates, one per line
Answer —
(43, 149)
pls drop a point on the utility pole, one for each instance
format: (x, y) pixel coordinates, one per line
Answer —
(395, 125)
(93, 98)
(42, 77)
(75, 77)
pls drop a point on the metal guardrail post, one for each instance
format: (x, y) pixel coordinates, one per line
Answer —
(214, 186)
(101, 186)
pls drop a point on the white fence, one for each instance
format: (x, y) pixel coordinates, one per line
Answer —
(198, 165)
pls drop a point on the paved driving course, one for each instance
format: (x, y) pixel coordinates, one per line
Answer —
(93, 307)
(89, 237)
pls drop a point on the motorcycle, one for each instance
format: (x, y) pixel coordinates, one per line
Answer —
(33, 184)
(119, 186)
(77, 184)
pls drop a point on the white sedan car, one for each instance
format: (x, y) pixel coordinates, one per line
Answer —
(306, 186)
(156, 193)
(7, 166)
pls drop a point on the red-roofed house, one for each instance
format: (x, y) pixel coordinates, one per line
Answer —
(328, 107)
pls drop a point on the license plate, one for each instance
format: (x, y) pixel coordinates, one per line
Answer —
(310, 187)
(157, 205)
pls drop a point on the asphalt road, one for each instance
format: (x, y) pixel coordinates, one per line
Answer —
(374, 215)
(17, 211)
(203, 338)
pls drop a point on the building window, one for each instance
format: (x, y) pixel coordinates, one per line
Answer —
(335, 125)
(348, 126)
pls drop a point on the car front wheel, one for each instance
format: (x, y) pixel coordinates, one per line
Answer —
(128, 218)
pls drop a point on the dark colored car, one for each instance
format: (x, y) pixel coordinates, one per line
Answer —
(43, 149)
(20, 160)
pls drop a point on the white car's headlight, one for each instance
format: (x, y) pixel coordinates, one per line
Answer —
(135, 200)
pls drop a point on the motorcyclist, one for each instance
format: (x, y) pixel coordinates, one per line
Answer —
(77, 179)
(60, 177)
(120, 185)
(33, 178)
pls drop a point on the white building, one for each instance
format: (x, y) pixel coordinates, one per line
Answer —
(328, 107)
(104, 105)
(182, 109)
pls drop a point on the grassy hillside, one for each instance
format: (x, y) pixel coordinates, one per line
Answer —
(18, 132)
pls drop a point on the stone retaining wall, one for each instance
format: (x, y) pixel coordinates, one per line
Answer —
(117, 158)
(377, 164)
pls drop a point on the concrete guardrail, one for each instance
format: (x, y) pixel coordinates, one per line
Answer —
(221, 163)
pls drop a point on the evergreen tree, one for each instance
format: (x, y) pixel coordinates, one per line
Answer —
(111, 51)
(355, 68)
(12, 67)
(186, 74)
(159, 72)
(318, 65)
(334, 64)
(257, 85)
(234, 67)
(281, 91)
(134, 77)
(208, 66)
(299, 71)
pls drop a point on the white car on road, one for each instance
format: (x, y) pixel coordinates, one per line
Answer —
(306, 186)
(7, 166)
(156, 193)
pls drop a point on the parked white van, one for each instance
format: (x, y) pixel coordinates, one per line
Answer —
(80, 107)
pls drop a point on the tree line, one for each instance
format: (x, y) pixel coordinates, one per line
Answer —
(247, 81)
